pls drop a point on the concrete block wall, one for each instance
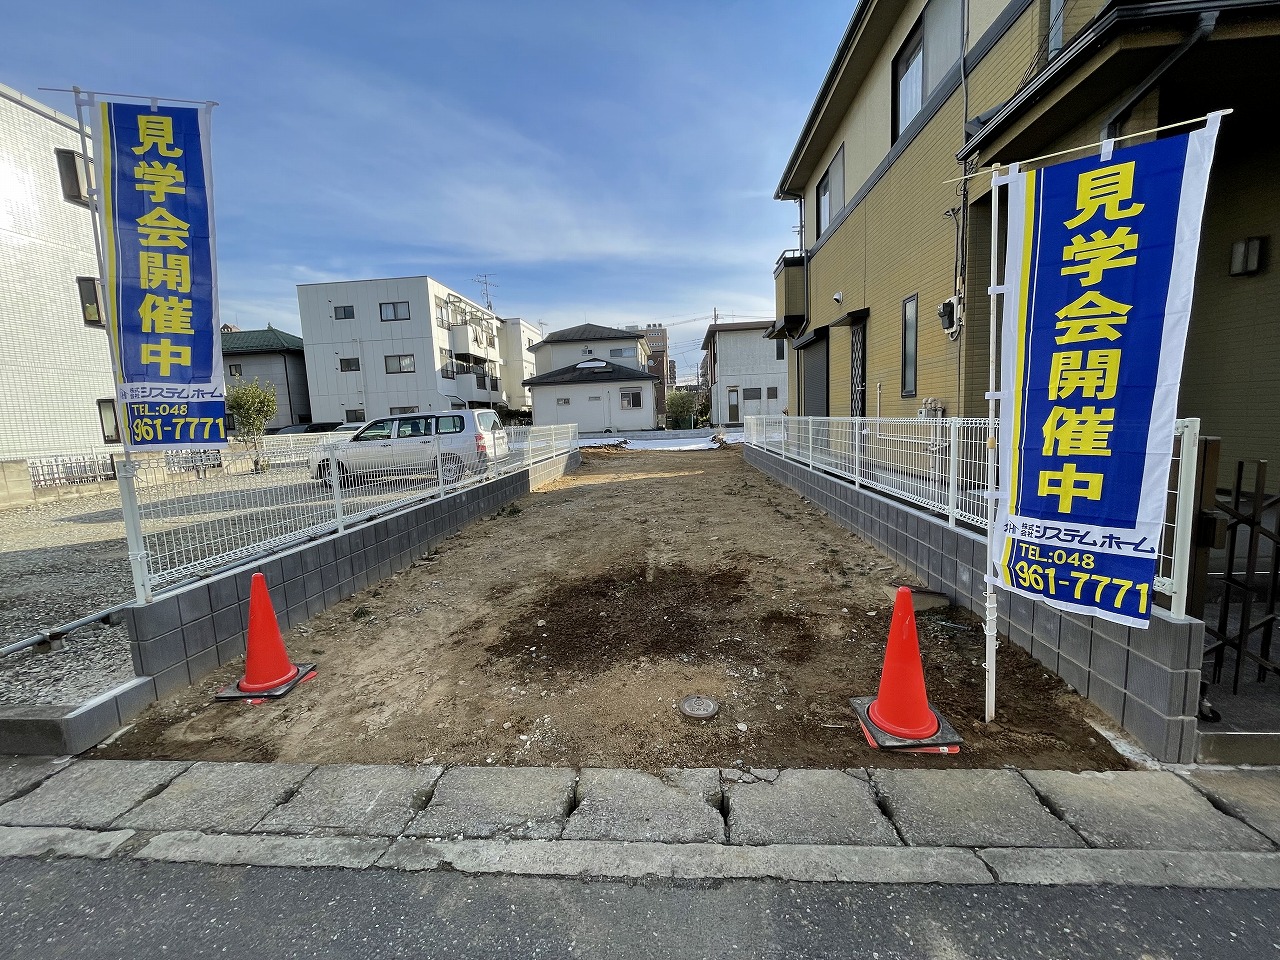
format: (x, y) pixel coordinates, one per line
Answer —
(181, 636)
(1148, 681)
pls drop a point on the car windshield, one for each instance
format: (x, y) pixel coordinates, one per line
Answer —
(378, 430)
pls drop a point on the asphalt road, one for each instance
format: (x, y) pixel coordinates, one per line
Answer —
(97, 909)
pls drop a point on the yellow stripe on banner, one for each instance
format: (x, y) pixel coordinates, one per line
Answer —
(1020, 359)
(109, 239)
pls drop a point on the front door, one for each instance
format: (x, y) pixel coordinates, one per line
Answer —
(858, 366)
(734, 417)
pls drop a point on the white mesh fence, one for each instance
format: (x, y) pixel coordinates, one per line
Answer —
(940, 464)
(202, 511)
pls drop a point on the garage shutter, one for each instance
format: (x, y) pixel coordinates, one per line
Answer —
(813, 373)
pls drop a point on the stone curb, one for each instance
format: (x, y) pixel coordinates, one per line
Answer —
(593, 859)
(1135, 868)
(694, 861)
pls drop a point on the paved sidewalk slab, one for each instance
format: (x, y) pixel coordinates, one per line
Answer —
(266, 851)
(1136, 868)
(1141, 810)
(228, 797)
(482, 803)
(693, 861)
(1251, 795)
(808, 807)
(355, 800)
(637, 806)
(60, 842)
(91, 793)
(970, 808)
(18, 774)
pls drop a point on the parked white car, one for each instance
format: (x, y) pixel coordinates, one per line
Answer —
(452, 444)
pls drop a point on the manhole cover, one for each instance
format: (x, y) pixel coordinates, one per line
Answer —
(699, 707)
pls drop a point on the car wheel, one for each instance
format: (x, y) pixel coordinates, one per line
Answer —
(453, 468)
(322, 471)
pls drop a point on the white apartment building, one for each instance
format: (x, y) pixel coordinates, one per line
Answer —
(747, 374)
(56, 385)
(596, 377)
(519, 337)
(401, 345)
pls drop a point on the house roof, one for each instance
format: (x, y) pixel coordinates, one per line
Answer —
(1114, 19)
(589, 331)
(269, 340)
(725, 327)
(590, 371)
(867, 32)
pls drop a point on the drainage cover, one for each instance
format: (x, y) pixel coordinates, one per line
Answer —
(699, 707)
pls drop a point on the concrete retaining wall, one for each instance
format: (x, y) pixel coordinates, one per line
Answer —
(180, 637)
(1148, 681)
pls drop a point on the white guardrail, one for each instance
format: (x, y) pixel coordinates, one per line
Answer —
(940, 464)
(201, 511)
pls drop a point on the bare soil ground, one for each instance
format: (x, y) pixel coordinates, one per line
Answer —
(566, 629)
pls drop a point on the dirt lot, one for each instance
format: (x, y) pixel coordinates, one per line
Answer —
(566, 629)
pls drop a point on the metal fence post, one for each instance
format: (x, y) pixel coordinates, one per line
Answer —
(335, 483)
(126, 472)
(953, 473)
(857, 451)
(809, 428)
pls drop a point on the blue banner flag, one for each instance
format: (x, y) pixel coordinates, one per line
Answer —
(161, 276)
(1100, 270)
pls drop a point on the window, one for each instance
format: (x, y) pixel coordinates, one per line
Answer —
(771, 393)
(447, 367)
(831, 191)
(344, 313)
(71, 176)
(1055, 27)
(630, 399)
(909, 346)
(110, 425)
(397, 411)
(592, 398)
(622, 351)
(399, 363)
(449, 424)
(930, 51)
(399, 310)
(908, 90)
(90, 308)
(348, 364)
(413, 427)
(750, 393)
(562, 401)
(353, 416)
(587, 351)
(779, 349)
(235, 370)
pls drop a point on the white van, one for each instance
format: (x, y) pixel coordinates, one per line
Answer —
(453, 444)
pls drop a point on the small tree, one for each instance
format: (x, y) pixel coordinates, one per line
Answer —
(252, 406)
(680, 407)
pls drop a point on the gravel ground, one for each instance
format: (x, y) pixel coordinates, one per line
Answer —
(61, 561)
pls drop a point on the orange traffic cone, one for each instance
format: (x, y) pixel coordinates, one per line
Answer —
(268, 672)
(899, 717)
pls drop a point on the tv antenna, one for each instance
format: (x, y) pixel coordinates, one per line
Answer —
(485, 284)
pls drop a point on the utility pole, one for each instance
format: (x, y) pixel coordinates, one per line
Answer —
(485, 284)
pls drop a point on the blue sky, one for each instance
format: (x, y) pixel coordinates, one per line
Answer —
(611, 162)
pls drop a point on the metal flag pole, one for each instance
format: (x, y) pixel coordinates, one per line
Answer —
(127, 471)
(990, 601)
